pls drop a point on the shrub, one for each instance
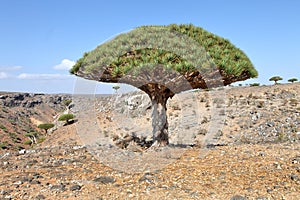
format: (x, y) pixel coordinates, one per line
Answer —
(46, 126)
(66, 117)
(3, 145)
(254, 84)
(41, 139)
(293, 102)
(3, 128)
(28, 142)
(32, 136)
(67, 102)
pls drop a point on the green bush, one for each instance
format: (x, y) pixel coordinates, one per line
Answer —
(46, 126)
(67, 102)
(3, 128)
(3, 145)
(41, 139)
(254, 84)
(28, 142)
(293, 102)
(66, 117)
(31, 134)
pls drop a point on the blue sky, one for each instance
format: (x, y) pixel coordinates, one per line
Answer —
(40, 40)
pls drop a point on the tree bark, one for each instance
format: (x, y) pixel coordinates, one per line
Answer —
(159, 119)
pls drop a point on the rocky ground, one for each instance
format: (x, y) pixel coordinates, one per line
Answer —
(251, 150)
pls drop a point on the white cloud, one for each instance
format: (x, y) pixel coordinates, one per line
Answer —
(65, 64)
(3, 75)
(43, 76)
(12, 68)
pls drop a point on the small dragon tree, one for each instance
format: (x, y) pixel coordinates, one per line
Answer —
(116, 87)
(46, 126)
(67, 103)
(32, 136)
(163, 61)
(275, 79)
(292, 80)
(68, 118)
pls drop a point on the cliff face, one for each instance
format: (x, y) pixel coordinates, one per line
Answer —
(20, 113)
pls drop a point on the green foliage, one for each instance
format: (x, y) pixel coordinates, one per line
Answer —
(14, 137)
(174, 47)
(224, 54)
(67, 102)
(275, 79)
(116, 87)
(3, 128)
(78, 64)
(66, 117)
(46, 126)
(41, 139)
(31, 134)
(3, 145)
(28, 142)
(254, 84)
(292, 80)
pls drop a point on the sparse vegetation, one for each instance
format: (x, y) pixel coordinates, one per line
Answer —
(3, 128)
(3, 145)
(293, 102)
(14, 137)
(41, 139)
(28, 142)
(68, 118)
(116, 87)
(281, 136)
(254, 84)
(67, 102)
(275, 79)
(292, 80)
(46, 126)
(32, 137)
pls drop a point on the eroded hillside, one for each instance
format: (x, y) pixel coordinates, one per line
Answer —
(251, 151)
(20, 113)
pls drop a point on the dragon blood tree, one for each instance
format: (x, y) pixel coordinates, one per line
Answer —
(163, 61)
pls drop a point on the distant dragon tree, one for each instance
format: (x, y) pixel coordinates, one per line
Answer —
(163, 61)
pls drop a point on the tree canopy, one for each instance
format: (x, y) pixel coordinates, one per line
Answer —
(174, 47)
(292, 80)
(46, 126)
(275, 79)
(66, 117)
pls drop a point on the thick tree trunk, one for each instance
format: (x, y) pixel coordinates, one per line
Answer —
(159, 95)
(159, 120)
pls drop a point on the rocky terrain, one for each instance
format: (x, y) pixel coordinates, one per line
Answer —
(20, 113)
(230, 143)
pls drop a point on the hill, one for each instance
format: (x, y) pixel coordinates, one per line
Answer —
(20, 113)
(230, 143)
